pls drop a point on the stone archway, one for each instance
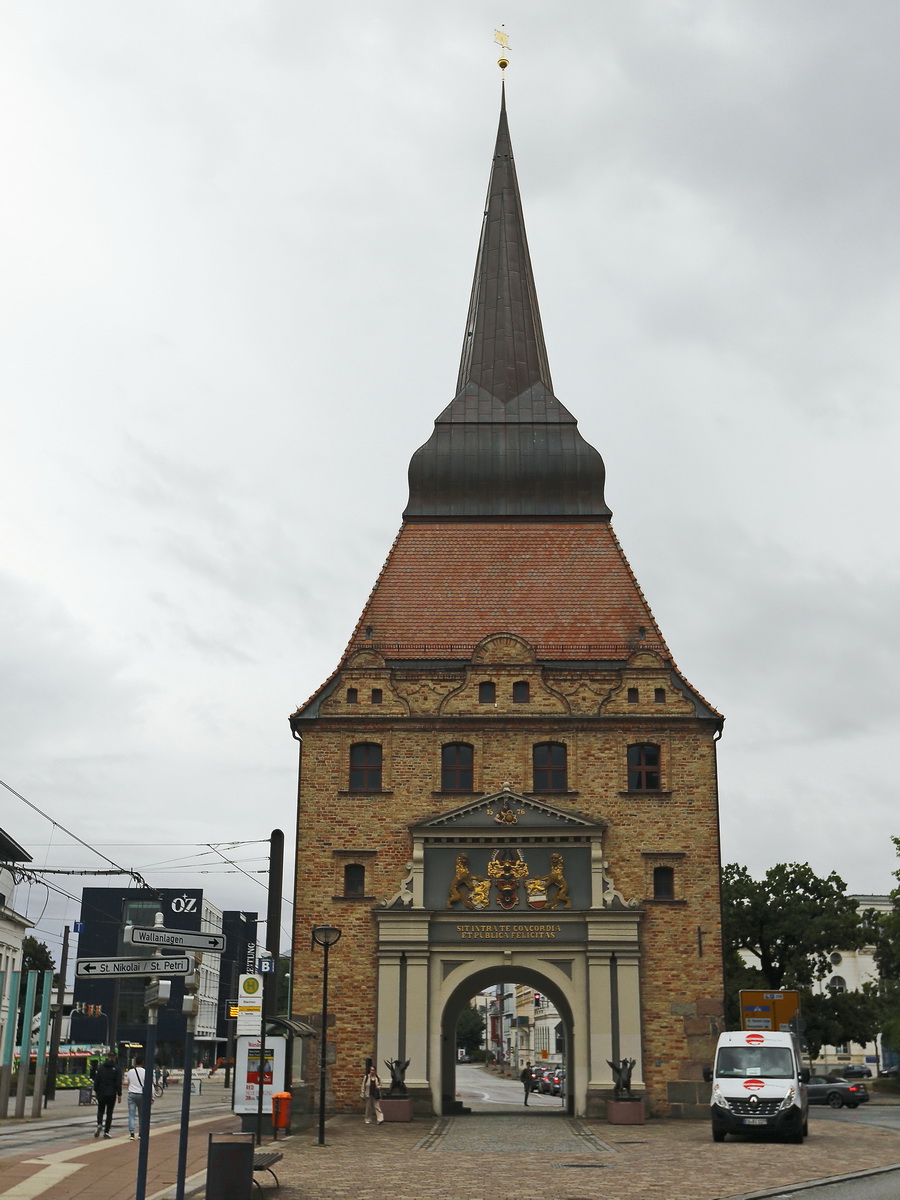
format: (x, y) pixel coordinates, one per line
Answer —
(480, 978)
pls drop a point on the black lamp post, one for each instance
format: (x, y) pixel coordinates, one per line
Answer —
(325, 936)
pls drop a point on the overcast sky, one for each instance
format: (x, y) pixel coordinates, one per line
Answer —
(237, 244)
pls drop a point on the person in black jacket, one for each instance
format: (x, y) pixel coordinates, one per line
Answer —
(527, 1077)
(108, 1090)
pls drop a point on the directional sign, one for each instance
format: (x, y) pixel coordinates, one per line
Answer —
(98, 968)
(181, 939)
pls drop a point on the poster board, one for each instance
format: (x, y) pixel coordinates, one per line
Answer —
(246, 1073)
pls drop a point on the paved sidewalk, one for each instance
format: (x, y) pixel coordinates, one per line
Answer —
(66, 1162)
(479, 1158)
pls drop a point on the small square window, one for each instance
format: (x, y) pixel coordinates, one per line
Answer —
(377, 695)
(354, 879)
(352, 696)
(632, 695)
(659, 696)
(663, 883)
(487, 693)
(521, 692)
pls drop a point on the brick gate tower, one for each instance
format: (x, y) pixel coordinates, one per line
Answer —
(507, 777)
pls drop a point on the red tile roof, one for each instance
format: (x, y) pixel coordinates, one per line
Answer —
(565, 587)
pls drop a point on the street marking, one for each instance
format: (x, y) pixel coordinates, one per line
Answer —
(41, 1181)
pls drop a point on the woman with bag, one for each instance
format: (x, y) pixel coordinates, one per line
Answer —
(370, 1091)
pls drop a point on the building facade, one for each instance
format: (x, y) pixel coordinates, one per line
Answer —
(507, 779)
(122, 1017)
(13, 926)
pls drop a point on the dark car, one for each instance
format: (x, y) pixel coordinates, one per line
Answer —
(836, 1092)
(537, 1075)
(558, 1082)
(856, 1071)
(547, 1080)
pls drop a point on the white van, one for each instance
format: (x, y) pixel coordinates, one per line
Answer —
(758, 1084)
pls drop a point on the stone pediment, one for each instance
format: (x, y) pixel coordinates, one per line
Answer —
(507, 810)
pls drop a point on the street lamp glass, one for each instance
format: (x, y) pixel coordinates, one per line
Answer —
(326, 935)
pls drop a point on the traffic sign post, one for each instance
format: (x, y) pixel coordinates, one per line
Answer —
(178, 939)
(770, 1010)
(99, 968)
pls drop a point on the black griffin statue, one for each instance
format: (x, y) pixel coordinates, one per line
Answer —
(397, 1069)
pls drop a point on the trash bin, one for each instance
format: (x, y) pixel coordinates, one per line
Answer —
(281, 1110)
(229, 1166)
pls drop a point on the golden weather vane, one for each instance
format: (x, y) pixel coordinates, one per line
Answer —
(502, 40)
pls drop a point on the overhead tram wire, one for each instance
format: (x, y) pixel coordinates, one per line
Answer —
(135, 875)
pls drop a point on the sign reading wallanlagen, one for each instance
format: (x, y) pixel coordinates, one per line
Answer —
(182, 939)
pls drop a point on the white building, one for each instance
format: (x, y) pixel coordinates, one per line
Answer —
(850, 969)
(13, 925)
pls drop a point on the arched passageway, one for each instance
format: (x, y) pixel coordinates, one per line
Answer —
(476, 981)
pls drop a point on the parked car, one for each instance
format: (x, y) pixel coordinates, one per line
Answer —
(559, 1082)
(889, 1073)
(856, 1071)
(836, 1092)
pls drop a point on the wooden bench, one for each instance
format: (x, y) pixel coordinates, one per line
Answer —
(263, 1160)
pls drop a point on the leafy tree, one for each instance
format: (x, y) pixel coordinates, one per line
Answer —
(36, 956)
(835, 1017)
(790, 920)
(470, 1029)
(885, 936)
(283, 985)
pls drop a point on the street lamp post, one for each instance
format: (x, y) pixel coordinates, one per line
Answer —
(325, 936)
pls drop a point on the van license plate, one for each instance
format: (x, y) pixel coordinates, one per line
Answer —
(755, 1121)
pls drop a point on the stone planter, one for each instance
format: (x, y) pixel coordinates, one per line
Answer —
(398, 1109)
(625, 1112)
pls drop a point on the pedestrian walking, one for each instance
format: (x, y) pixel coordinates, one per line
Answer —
(108, 1090)
(370, 1091)
(136, 1097)
(527, 1077)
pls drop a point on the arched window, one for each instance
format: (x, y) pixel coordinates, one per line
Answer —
(643, 768)
(365, 767)
(354, 879)
(663, 883)
(521, 692)
(548, 760)
(457, 759)
(837, 984)
(487, 693)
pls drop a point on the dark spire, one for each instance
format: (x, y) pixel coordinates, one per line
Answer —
(505, 446)
(503, 351)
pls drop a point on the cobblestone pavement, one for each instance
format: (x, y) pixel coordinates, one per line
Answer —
(481, 1157)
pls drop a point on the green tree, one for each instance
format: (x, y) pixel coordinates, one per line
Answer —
(470, 1030)
(36, 956)
(835, 1017)
(283, 985)
(790, 921)
(885, 937)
